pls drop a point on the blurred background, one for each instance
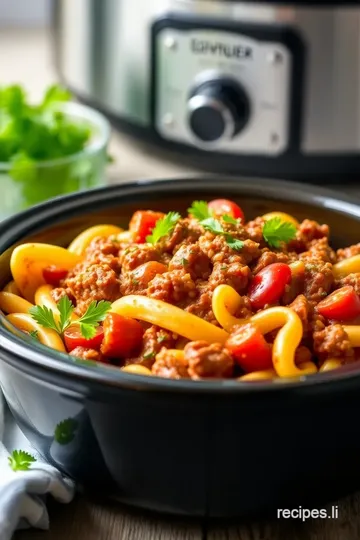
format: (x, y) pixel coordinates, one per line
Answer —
(26, 57)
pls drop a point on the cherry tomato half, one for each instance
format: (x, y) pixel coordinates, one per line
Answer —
(224, 206)
(249, 348)
(73, 338)
(122, 336)
(142, 223)
(341, 305)
(269, 284)
(53, 275)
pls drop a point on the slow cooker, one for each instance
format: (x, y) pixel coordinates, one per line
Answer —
(265, 88)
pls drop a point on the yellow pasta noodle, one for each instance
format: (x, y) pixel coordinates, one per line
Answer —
(281, 215)
(12, 303)
(353, 333)
(170, 317)
(347, 266)
(43, 298)
(29, 260)
(330, 364)
(258, 375)
(226, 301)
(12, 288)
(84, 239)
(136, 369)
(46, 336)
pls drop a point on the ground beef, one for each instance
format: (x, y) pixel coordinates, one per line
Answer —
(269, 257)
(318, 280)
(94, 282)
(170, 366)
(186, 231)
(303, 309)
(60, 292)
(320, 250)
(190, 259)
(218, 251)
(154, 339)
(348, 252)
(173, 287)
(104, 250)
(254, 231)
(208, 361)
(350, 279)
(87, 354)
(332, 341)
(295, 287)
(234, 274)
(307, 231)
(137, 254)
(201, 307)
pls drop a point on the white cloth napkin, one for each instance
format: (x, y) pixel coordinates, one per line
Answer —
(23, 493)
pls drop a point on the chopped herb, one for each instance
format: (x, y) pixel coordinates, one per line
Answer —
(65, 431)
(276, 231)
(184, 261)
(230, 219)
(149, 355)
(224, 267)
(20, 460)
(163, 227)
(323, 293)
(161, 338)
(34, 334)
(200, 210)
(95, 313)
(213, 225)
(135, 281)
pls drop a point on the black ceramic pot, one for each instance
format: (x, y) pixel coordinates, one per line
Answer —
(195, 448)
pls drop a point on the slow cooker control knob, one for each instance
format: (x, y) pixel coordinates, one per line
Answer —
(218, 110)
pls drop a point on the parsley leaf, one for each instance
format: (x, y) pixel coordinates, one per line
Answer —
(95, 313)
(34, 334)
(213, 225)
(230, 219)
(20, 460)
(163, 227)
(45, 317)
(200, 210)
(65, 431)
(276, 231)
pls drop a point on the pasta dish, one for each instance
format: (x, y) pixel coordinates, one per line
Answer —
(206, 296)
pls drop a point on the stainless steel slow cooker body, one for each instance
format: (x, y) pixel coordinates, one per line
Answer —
(269, 87)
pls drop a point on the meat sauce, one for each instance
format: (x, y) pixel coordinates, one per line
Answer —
(185, 266)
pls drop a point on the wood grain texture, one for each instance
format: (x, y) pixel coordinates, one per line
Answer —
(88, 520)
(346, 527)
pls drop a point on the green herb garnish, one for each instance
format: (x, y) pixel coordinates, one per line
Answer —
(65, 431)
(20, 460)
(161, 338)
(230, 219)
(34, 334)
(213, 225)
(200, 210)
(163, 227)
(149, 355)
(184, 261)
(276, 231)
(95, 313)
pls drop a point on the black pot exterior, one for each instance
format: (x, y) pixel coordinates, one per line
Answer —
(193, 448)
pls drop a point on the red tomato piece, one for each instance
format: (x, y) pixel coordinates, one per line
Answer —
(147, 271)
(73, 338)
(341, 305)
(122, 336)
(224, 206)
(53, 275)
(142, 223)
(249, 348)
(269, 284)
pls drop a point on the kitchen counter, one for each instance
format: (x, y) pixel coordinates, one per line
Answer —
(25, 57)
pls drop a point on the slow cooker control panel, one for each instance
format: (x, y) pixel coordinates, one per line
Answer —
(220, 90)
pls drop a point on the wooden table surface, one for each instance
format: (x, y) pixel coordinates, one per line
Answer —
(89, 520)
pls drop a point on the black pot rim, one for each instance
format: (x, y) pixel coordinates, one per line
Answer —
(22, 352)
